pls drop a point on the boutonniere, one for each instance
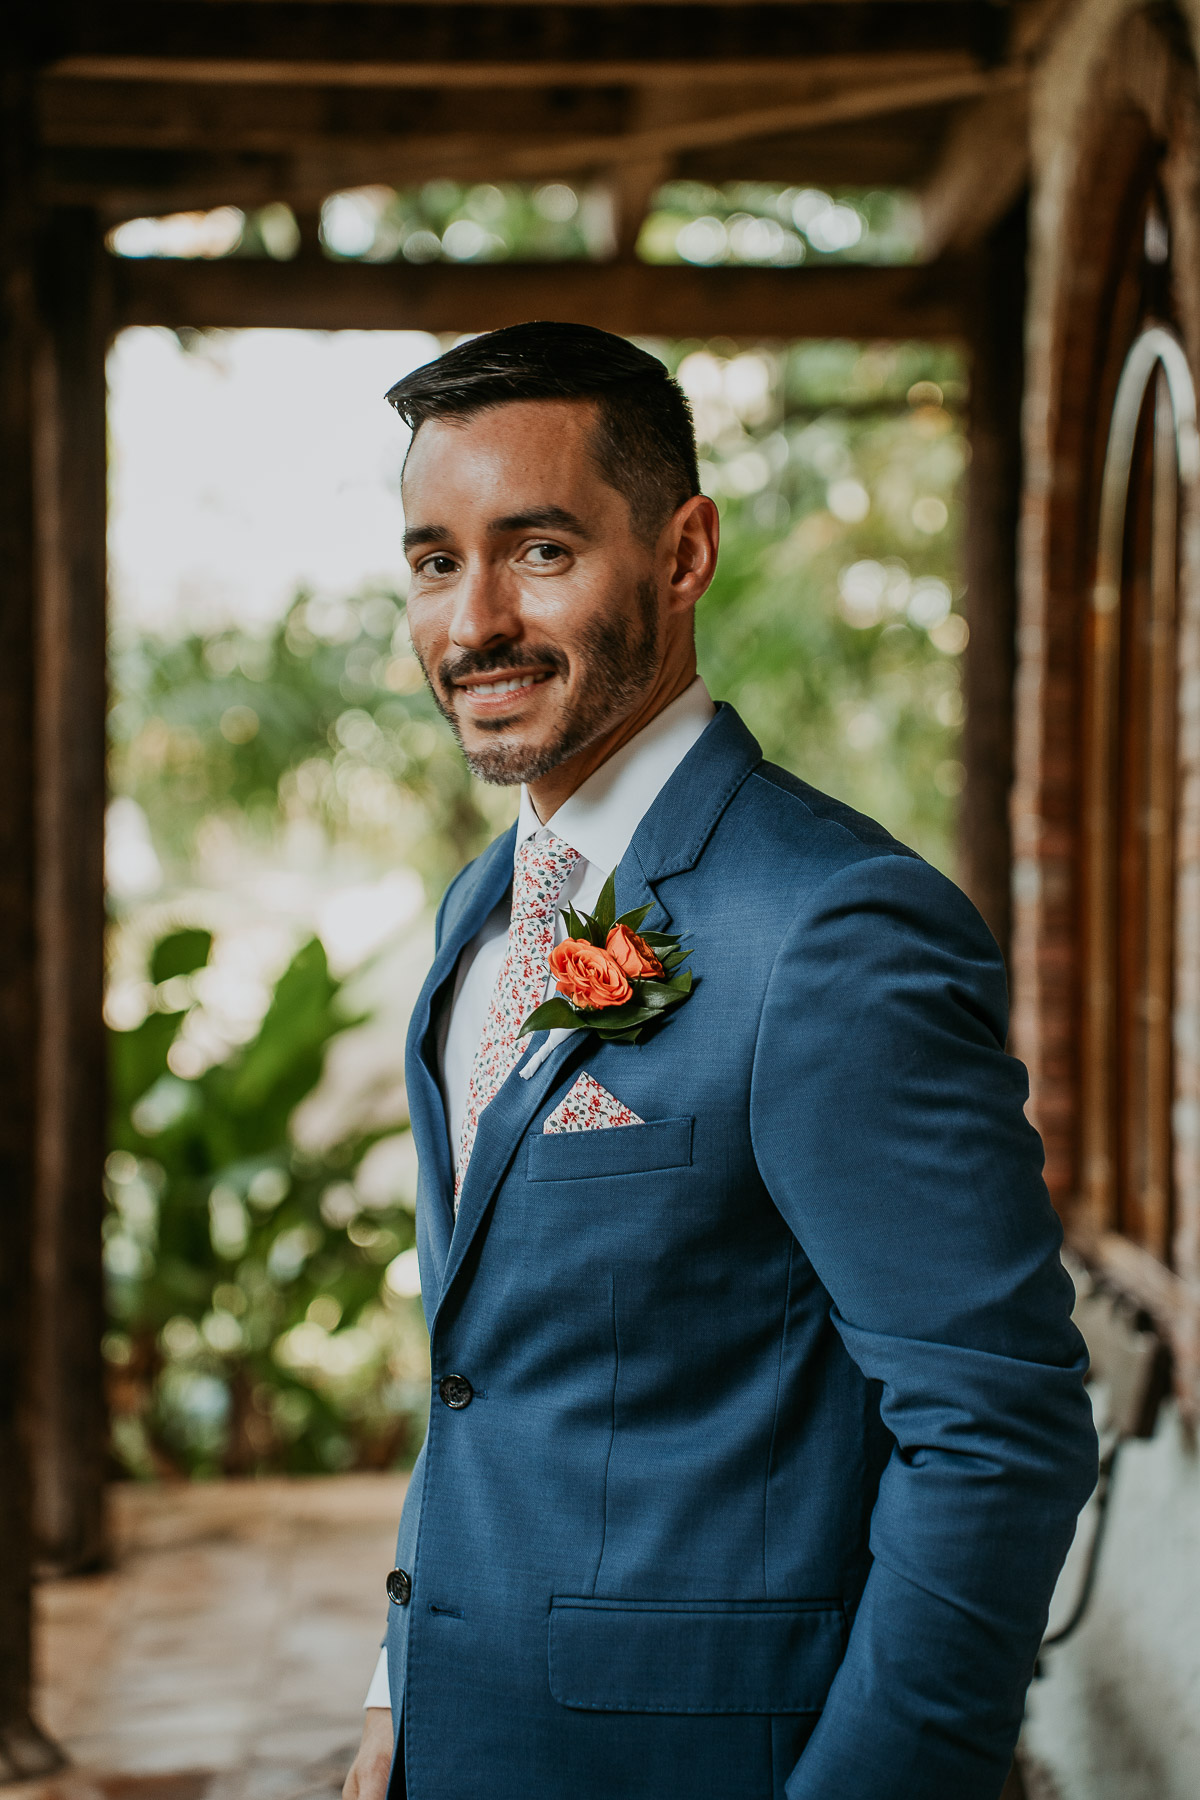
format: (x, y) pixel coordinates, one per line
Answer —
(611, 978)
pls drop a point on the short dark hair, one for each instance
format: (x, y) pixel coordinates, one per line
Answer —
(645, 443)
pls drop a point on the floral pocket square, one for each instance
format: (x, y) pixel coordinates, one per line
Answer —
(589, 1107)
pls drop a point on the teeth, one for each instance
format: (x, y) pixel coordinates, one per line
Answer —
(503, 687)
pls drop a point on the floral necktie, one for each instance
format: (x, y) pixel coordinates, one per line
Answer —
(540, 868)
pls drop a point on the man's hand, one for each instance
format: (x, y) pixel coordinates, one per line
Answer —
(368, 1777)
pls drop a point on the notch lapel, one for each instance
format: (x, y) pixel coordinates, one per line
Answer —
(669, 840)
(504, 1122)
(485, 886)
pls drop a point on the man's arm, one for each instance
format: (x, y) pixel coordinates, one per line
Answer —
(889, 1126)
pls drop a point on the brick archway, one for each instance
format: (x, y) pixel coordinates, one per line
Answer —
(1113, 253)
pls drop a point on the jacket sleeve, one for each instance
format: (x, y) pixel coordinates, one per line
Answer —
(889, 1125)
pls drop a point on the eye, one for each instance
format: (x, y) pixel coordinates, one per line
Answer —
(438, 564)
(545, 555)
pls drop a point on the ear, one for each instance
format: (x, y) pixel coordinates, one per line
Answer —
(688, 551)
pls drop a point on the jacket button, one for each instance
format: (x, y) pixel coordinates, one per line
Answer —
(456, 1392)
(399, 1587)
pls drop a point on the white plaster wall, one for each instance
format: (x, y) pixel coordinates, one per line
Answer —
(1116, 1716)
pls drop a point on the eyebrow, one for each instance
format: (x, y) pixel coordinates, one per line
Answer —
(538, 518)
(416, 535)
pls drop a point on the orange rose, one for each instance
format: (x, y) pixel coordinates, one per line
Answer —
(631, 953)
(588, 976)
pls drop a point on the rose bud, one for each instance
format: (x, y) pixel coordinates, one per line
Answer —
(588, 976)
(631, 953)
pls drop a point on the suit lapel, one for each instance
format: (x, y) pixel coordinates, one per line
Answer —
(670, 840)
(485, 884)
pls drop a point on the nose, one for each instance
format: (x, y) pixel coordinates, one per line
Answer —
(485, 610)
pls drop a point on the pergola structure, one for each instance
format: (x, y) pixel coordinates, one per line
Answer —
(117, 108)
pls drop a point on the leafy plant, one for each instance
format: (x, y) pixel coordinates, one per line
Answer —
(252, 1327)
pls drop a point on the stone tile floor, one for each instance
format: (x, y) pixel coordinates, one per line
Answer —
(226, 1653)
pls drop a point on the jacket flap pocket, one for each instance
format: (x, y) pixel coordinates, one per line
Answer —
(622, 1150)
(706, 1656)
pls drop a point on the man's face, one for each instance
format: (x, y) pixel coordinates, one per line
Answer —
(533, 608)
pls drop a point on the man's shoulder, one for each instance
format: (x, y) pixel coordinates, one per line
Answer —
(796, 810)
(787, 842)
(801, 834)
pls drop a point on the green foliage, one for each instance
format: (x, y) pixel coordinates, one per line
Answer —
(251, 1327)
(450, 221)
(832, 624)
(325, 720)
(757, 222)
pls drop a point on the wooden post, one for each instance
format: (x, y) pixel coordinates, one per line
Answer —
(995, 319)
(23, 1749)
(70, 1424)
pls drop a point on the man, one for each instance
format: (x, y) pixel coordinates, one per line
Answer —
(758, 1431)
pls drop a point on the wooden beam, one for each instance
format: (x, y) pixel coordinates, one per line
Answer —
(894, 151)
(24, 1751)
(844, 300)
(995, 311)
(180, 115)
(646, 136)
(369, 45)
(980, 173)
(71, 1443)
(804, 113)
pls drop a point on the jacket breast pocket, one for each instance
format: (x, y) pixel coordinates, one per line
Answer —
(620, 1150)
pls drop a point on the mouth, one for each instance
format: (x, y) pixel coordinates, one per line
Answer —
(488, 695)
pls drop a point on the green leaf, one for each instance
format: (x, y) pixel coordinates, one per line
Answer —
(552, 1015)
(631, 920)
(180, 954)
(137, 1058)
(605, 915)
(581, 927)
(657, 996)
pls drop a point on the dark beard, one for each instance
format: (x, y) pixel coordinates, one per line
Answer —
(618, 661)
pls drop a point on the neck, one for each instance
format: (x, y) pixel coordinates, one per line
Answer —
(550, 791)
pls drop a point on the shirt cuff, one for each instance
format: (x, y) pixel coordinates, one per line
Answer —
(379, 1693)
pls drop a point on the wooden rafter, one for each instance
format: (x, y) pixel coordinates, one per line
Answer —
(758, 304)
(369, 44)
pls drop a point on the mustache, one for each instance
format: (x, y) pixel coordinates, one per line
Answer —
(466, 663)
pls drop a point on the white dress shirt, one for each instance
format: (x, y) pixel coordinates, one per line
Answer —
(598, 821)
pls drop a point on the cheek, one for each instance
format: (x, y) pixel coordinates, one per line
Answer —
(426, 629)
(568, 610)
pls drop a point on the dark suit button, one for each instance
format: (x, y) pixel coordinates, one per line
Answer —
(456, 1392)
(399, 1587)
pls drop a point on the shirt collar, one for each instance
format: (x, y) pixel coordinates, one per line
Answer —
(601, 816)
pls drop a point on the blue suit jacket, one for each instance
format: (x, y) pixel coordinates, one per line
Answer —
(778, 1433)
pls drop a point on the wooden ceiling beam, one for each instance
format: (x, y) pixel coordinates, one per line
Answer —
(370, 45)
(980, 172)
(753, 304)
(516, 148)
(136, 115)
(804, 113)
(898, 151)
(181, 115)
(120, 178)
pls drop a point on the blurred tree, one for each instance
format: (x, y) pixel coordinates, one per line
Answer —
(326, 720)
